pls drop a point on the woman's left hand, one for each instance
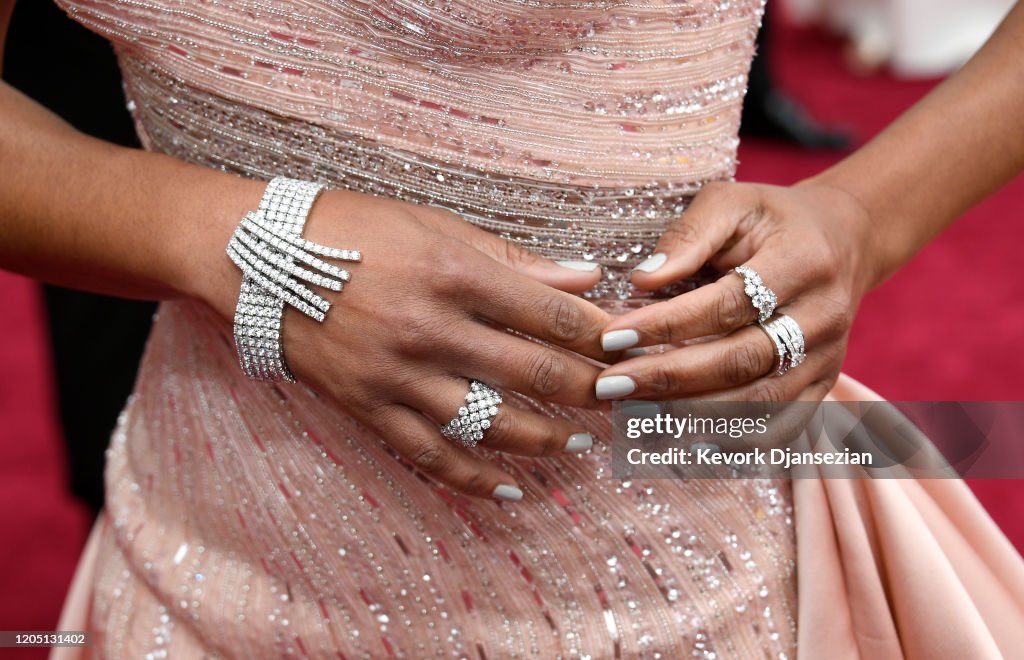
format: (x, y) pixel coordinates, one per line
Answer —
(810, 245)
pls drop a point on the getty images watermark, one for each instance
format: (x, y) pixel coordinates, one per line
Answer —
(832, 439)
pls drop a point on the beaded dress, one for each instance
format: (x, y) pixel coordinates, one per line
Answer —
(254, 520)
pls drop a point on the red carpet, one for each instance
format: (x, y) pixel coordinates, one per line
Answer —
(946, 327)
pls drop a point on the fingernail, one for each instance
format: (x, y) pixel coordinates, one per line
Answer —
(634, 352)
(611, 387)
(710, 446)
(507, 493)
(616, 340)
(652, 263)
(640, 409)
(585, 266)
(579, 442)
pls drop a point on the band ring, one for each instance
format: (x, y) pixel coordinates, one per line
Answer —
(761, 296)
(470, 424)
(789, 342)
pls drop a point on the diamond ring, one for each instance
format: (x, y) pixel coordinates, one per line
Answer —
(761, 297)
(474, 418)
(789, 343)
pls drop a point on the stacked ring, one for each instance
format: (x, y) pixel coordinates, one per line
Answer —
(794, 338)
(788, 339)
(467, 428)
(761, 297)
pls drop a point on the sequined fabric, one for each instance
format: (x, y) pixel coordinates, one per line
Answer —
(252, 520)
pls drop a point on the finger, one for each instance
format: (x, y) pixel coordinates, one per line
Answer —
(705, 228)
(717, 308)
(420, 442)
(512, 430)
(519, 303)
(732, 361)
(811, 381)
(516, 363)
(569, 275)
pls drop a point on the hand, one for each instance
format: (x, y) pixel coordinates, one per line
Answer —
(808, 243)
(427, 310)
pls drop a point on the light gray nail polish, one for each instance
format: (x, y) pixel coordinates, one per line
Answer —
(579, 442)
(640, 409)
(611, 387)
(585, 266)
(634, 352)
(507, 493)
(616, 340)
(710, 446)
(652, 263)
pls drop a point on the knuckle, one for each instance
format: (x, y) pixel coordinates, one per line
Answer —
(742, 364)
(732, 310)
(546, 373)
(553, 441)
(431, 457)
(835, 318)
(416, 333)
(818, 264)
(660, 380)
(681, 232)
(476, 483)
(565, 318)
(841, 317)
(665, 328)
(444, 273)
(768, 390)
(516, 254)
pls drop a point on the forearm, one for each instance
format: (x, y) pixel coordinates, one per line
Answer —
(82, 213)
(952, 149)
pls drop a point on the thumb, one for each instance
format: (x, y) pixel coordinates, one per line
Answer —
(705, 228)
(566, 275)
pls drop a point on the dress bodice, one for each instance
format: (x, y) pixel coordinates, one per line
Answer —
(580, 129)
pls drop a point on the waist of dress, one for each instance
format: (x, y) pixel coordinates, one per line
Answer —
(614, 226)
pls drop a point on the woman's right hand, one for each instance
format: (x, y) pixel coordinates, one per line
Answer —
(427, 310)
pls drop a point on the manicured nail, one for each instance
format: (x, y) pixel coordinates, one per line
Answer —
(579, 442)
(616, 340)
(507, 493)
(652, 263)
(585, 266)
(611, 387)
(639, 409)
(634, 352)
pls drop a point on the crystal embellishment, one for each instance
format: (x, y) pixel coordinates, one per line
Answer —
(267, 247)
(761, 297)
(473, 419)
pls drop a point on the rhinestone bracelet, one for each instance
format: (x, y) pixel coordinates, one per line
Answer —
(266, 246)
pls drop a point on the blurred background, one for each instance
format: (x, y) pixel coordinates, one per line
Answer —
(831, 74)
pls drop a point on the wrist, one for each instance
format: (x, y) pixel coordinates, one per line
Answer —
(205, 272)
(871, 249)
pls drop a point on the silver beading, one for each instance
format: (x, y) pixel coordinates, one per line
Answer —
(266, 246)
(788, 339)
(761, 297)
(473, 419)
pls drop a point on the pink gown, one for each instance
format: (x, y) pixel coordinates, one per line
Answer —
(253, 520)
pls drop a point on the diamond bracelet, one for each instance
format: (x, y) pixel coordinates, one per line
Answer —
(277, 264)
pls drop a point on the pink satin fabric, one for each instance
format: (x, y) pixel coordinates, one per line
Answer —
(903, 568)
